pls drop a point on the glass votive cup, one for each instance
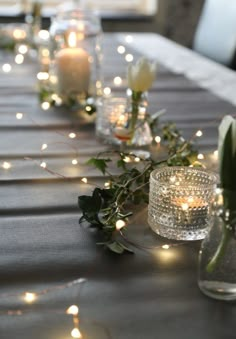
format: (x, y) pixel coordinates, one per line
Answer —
(109, 111)
(180, 202)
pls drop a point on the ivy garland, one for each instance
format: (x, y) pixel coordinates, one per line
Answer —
(105, 208)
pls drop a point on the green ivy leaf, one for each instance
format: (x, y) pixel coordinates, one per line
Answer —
(118, 247)
(106, 206)
(100, 164)
(90, 207)
(121, 164)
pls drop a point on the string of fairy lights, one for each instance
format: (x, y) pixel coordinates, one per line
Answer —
(117, 81)
(20, 55)
(30, 297)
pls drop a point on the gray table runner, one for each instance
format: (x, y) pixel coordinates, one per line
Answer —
(41, 244)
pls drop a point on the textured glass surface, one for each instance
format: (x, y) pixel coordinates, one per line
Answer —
(108, 112)
(180, 202)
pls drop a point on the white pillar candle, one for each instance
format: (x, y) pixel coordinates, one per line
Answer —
(73, 70)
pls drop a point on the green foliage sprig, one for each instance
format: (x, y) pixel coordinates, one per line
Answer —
(7, 43)
(106, 206)
(46, 93)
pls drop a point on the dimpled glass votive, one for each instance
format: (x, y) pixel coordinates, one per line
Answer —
(180, 202)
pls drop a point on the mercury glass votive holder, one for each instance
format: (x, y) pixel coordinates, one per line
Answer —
(180, 202)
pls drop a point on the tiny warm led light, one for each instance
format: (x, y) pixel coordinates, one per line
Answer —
(107, 91)
(200, 156)
(98, 84)
(158, 139)
(85, 180)
(53, 79)
(43, 34)
(23, 49)
(165, 247)
(19, 59)
(127, 159)
(199, 133)
(45, 105)
(74, 162)
(120, 224)
(72, 135)
(57, 99)
(128, 92)
(184, 206)
(107, 184)
(73, 309)
(121, 49)
(117, 81)
(75, 333)
(44, 146)
(88, 108)
(29, 297)
(6, 68)
(129, 57)
(43, 76)
(45, 52)
(136, 159)
(6, 165)
(172, 179)
(215, 154)
(19, 34)
(43, 164)
(19, 116)
(129, 38)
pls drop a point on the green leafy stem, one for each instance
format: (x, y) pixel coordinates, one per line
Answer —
(106, 206)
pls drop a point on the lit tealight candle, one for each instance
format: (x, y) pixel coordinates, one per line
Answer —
(191, 209)
(73, 68)
(187, 203)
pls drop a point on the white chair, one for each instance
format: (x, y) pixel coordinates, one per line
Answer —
(215, 35)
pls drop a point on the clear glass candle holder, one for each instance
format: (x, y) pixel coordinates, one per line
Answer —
(180, 202)
(109, 112)
(76, 55)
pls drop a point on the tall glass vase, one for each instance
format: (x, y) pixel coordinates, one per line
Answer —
(217, 258)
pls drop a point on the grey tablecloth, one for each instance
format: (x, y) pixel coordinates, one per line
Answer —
(146, 295)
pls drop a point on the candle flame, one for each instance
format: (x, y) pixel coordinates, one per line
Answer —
(72, 39)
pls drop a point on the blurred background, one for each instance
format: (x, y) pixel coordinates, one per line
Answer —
(207, 26)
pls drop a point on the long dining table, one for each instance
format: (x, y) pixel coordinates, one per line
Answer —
(152, 293)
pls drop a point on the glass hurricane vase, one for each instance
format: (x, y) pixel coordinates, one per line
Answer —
(217, 257)
(76, 55)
